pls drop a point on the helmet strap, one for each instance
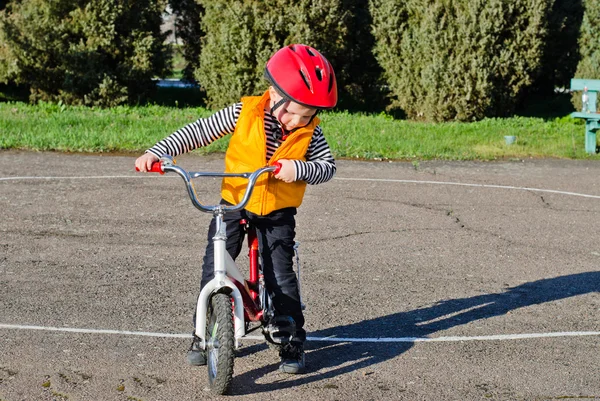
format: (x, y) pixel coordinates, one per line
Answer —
(283, 135)
(277, 105)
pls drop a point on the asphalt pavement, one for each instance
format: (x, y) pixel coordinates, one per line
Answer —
(423, 281)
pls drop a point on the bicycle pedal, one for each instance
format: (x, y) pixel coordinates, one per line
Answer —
(280, 330)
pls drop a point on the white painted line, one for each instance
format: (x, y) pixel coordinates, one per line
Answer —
(498, 337)
(76, 178)
(462, 184)
(94, 331)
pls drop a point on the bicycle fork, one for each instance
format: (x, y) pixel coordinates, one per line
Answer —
(223, 263)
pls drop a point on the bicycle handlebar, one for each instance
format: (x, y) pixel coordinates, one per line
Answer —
(167, 165)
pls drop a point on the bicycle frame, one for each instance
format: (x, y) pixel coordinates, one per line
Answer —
(226, 273)
(252, 311)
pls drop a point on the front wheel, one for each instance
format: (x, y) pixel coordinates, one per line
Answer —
(220, 344)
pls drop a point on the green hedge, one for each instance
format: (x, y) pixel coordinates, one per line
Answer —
(98, 52)
(438, 60)
(242, 35)
(459, 59)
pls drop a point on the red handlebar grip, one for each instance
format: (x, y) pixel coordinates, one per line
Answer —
(277, 168)
(156, 168)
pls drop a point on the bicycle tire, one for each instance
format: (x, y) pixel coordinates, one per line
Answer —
(220, 350)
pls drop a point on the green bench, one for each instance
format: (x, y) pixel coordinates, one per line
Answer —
(588, 112)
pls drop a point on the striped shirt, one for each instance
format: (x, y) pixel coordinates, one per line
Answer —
(319, 166)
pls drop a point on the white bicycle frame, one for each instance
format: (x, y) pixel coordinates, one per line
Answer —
(224, 265)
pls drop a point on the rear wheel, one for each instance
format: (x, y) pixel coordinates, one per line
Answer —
(220, 343)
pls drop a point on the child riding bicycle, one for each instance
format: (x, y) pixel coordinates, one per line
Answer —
(281, 125)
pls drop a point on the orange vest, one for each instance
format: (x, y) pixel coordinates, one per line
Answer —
(247, 152)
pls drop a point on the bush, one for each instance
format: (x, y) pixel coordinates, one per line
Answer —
(589, 46)
(234, 50)
(98, 52)
(458, 59)
(242, 35)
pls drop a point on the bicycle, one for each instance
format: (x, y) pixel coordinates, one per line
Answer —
(229, 302)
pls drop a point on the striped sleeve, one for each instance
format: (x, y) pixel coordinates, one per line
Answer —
(319, 166)
(199, 133)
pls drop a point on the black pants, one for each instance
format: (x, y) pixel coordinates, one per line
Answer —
(276, 232)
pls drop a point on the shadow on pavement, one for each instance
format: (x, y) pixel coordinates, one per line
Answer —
(339, 358)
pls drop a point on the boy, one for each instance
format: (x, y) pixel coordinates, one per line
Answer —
(281, 125)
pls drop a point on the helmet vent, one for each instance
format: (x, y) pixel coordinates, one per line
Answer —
(310, 52)
(305, 79)
(319, 73)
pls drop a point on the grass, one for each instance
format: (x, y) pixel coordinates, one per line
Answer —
(82, 129)
(380, 137)
(376, 137)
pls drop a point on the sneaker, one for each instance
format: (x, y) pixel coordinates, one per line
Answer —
(292, 358)
(196, 356)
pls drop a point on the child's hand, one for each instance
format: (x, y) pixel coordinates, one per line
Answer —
(144, 162)
(287, 172)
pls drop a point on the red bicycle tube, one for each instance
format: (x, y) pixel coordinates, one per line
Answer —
(277, 168)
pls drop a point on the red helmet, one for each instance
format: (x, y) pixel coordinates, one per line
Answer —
(301, 74)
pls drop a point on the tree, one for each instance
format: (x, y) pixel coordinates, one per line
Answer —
(242, 35)
(98, 52)
(458, 59)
